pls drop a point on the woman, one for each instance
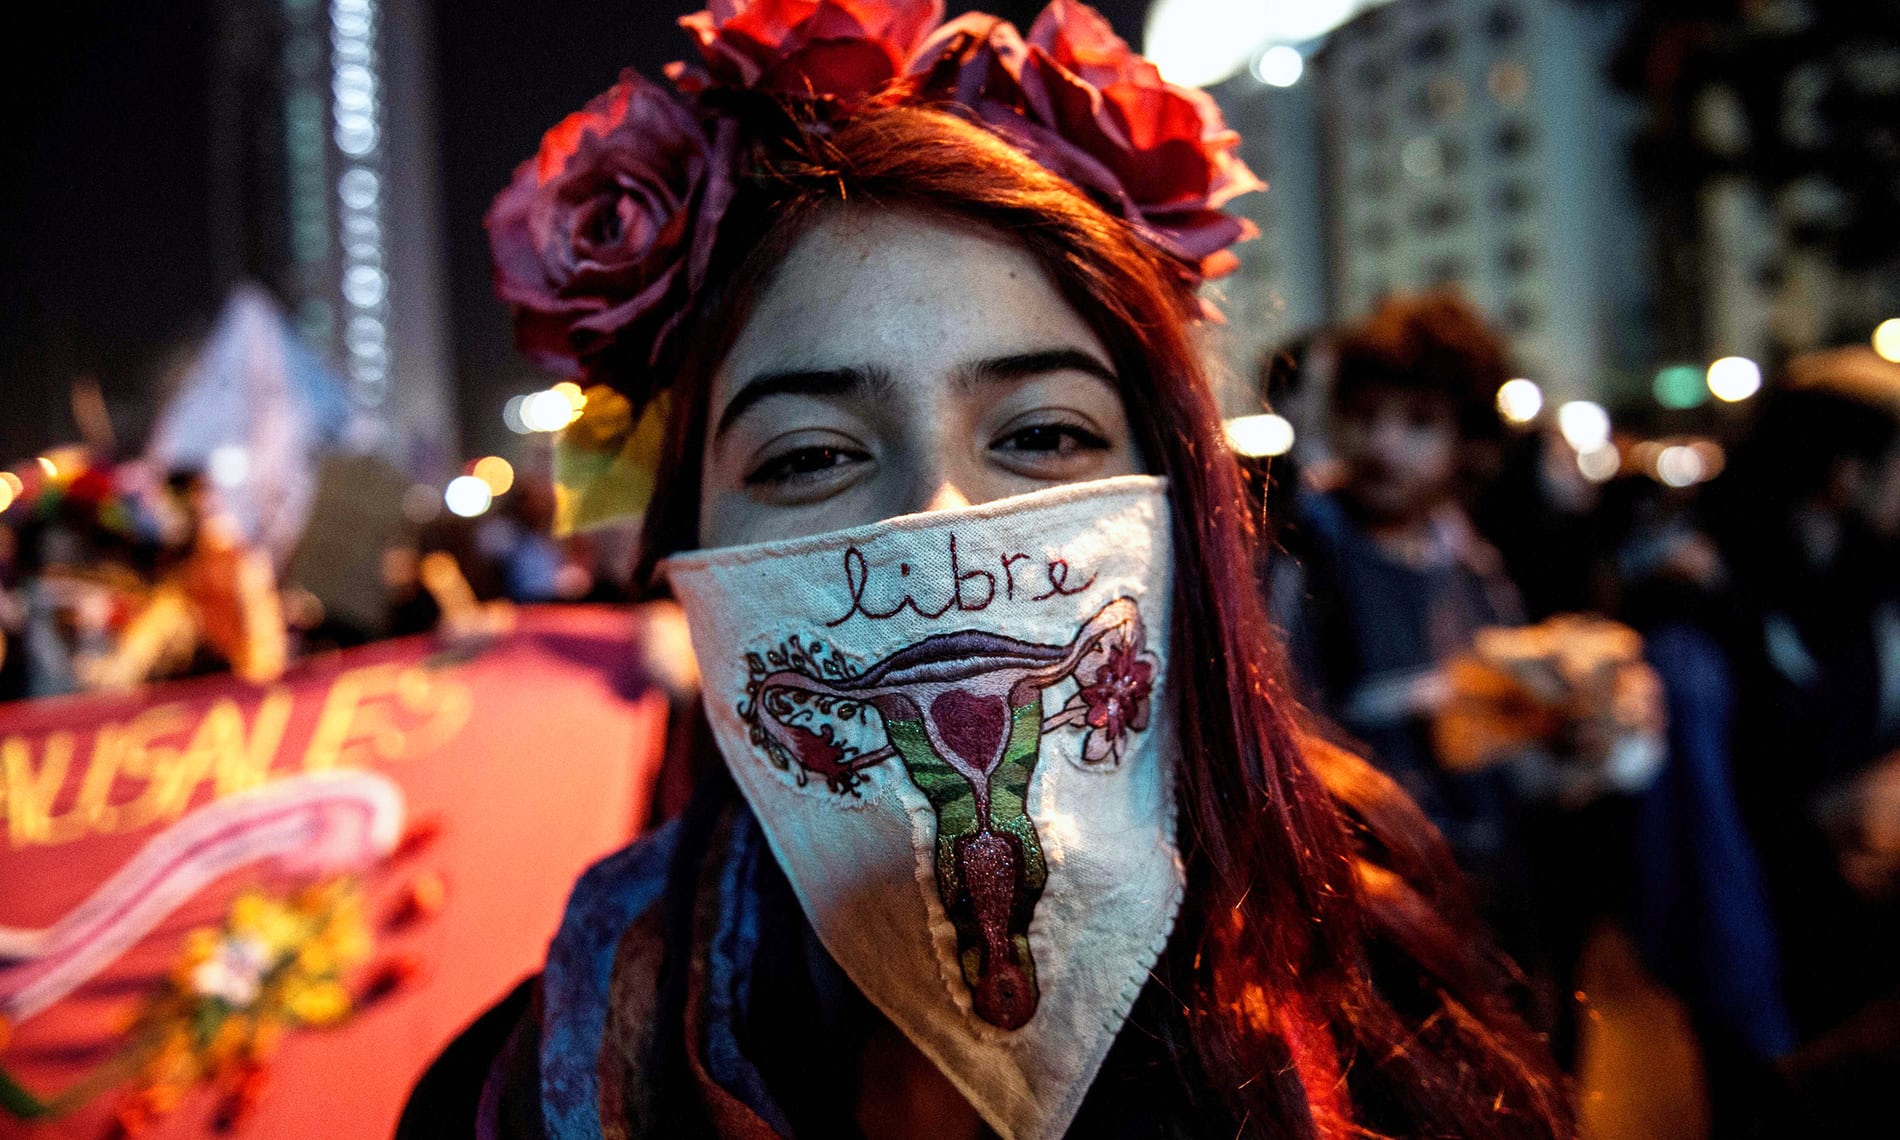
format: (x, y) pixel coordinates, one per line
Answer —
(1014, 834)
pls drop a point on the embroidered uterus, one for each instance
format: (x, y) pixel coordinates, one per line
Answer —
(963, 713)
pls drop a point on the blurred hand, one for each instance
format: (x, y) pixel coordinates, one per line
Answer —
(1869, 848)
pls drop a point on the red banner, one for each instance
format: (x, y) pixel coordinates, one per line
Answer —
(271, 906)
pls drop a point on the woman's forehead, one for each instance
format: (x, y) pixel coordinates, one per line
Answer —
(906, 293)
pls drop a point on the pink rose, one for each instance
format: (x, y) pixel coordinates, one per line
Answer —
(604, 235)
(840, 49)
(1082, 103)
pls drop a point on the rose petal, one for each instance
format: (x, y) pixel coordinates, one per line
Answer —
(839, 69)
(595, 237)
(1075, 97)
(836, 49)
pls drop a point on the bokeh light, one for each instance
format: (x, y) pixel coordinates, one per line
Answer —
(494, 471)
(421, 504)
(1887, 339)
(1520, 400)
(1197, 43)
(467, 496)
(1679, 466)
(1585, 425)
(1734, 378)
(549, 410)
(511, 415)
(1600, 464)
(1279, 66)
(7, 494)
(1261, 435)
(229, 466)
(1680, 386)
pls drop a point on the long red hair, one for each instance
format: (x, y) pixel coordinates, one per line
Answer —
(1334, 980)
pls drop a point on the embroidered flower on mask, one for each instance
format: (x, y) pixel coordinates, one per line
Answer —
(1116, 701)
(827, 49)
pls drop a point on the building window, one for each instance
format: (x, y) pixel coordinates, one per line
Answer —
(1445, 96)
(1512, 198)
(1509, 82)
(1504, 23)
(1430, 157)
(1447, 271)
(1424, 158)
(1517, 257)
(1513, 139)
(1520, 316)
(1433, 46)
(1451, 152)
(1377, 235)
(1438, 214)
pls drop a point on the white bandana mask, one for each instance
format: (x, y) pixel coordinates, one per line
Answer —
(955, 732)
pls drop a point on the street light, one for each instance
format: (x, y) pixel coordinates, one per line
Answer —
(1279, 66)
(1734, 378)
(1520, 400)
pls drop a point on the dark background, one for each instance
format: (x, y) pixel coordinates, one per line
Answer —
(107, 263)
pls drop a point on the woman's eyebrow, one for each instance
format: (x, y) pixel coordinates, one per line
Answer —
(1025, 364)
(855, 380)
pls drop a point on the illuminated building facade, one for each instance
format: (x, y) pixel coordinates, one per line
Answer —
(1475, 143)
(325, 190)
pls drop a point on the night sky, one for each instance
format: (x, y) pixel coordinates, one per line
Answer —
(106, 264)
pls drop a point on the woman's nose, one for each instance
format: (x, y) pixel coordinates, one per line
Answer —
(946, 496)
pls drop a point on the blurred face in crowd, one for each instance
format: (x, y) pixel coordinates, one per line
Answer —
(899, 362)
(1399, 451)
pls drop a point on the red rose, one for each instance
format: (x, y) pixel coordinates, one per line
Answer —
(841, 49)
(1082, 103)
(604, 235)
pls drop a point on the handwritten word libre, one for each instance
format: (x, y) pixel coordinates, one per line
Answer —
(959, 589)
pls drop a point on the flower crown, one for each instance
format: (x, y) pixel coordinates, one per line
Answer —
(603, 240)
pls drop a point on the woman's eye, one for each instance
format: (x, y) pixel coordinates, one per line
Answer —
(802, 463)
(1052, 439)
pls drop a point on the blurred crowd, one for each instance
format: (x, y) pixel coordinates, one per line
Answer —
(117, 573)
(1654, 680)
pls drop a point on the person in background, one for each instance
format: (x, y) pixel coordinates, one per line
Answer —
(1808, 521)
(1386, 584)
(1293, 381)
(1388, 578)
(1547, 522)
(215, 606)
(1697, 902)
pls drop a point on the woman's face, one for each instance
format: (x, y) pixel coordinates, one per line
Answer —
(1399, 449)
(901, 362)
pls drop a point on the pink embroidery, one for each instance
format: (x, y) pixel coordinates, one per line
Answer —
(1117, 701)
